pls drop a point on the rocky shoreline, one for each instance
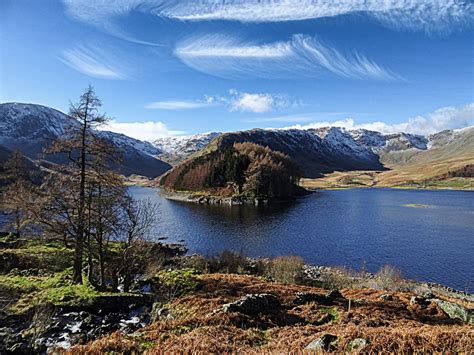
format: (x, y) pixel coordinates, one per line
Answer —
(208, 199)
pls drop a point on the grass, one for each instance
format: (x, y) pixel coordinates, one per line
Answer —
(27, 291)
(395, 326)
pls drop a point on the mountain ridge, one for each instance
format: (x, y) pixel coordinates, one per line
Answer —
(32, 127)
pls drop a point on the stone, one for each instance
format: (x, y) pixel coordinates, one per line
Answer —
(253, 304)
(357, 344)
(421, 301)
(456, 311)
(158, 313)
(323, 343)
(334, 295)
(304, 297)
(386, 297)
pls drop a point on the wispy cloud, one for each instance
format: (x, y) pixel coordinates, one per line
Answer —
(302, 56)
(146, 131)
(180, 104)
(93, 62)
(235, 100)
(424, 15)
(438, 120)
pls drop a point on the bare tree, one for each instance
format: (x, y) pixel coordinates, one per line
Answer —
(79, 144)
(139, 221)
(17, 190)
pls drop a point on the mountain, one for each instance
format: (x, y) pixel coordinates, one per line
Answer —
(31, 127)
(314, 152)
(441, 160)
(177, 148)
(383, 143)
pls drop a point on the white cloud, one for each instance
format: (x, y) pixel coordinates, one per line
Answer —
(146, 131)
(93, 62)
(424, 15)
(438, 120)
(301, 56)
(179, 105)
(257, 103)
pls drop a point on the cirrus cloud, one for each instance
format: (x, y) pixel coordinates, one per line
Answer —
(417, 15)
(301, 56)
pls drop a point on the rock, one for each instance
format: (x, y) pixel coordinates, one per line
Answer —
(386, 297)
(303, 298)
(254, 304)
(323, 343)
(329, 298)
(334, 295)
(158, 312)
(455, 311)
(357, 344)
(428, 295)
(421, 301)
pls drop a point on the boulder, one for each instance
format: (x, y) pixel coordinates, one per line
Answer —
(159, 313)
(421, 301)
(334, 295)
(304, 297)
(456, 311)
(357, 344)
(253, 304)
(323, 343)
(386, 297)
(328, 298)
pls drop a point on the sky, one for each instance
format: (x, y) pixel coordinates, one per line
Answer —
(166, 67)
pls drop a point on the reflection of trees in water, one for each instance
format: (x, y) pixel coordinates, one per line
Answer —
(241, 213)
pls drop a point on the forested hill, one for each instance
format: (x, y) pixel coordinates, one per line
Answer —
(242, 169)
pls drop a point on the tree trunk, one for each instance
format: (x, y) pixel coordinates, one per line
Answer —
(78, 254)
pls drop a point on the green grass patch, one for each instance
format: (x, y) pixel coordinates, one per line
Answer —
(27, 291)
(178, 282)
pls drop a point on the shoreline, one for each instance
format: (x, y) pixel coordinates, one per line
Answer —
(208, 199)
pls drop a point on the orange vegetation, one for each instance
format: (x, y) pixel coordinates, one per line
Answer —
(389, 326)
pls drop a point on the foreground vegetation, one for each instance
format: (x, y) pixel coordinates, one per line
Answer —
(225, 303)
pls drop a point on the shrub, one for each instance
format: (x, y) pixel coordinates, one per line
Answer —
(229, 262)
(196, 262)
(285, 269)
(338, 278)
(174, 283)
(389, 278)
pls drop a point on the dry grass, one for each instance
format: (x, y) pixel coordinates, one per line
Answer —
(394, 326)
(286, 269)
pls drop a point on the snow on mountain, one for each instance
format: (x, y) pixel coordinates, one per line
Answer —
(124, 142)
(315, 151)
(184, 145)
(379, 142)
(31, 127)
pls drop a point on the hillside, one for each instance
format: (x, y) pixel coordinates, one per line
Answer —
(446, 162)
(31, 128)
(221, 304)
(313, 152)
(242, 169)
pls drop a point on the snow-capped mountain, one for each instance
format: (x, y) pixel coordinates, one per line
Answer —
(184, 145)
(315, 151)
(379, 142)
(31, 127)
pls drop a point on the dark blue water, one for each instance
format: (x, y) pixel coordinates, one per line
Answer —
(343, 227)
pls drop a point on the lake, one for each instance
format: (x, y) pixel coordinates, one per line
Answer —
(428, 235)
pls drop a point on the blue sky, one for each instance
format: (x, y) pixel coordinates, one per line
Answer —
(183, 67)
